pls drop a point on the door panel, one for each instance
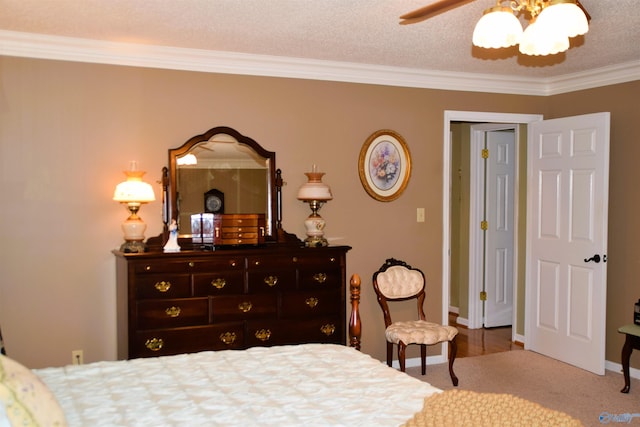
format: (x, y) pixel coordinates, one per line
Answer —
(567, 225)
(499, 237)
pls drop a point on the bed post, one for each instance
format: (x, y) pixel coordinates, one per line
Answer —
(355, 326)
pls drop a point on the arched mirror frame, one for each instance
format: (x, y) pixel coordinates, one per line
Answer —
(272, 213)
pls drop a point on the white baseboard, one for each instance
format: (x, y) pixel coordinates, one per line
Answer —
(462, 321)
(415, 361)
(454, 310)
(617, 367)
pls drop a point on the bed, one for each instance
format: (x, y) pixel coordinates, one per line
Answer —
(306, 384)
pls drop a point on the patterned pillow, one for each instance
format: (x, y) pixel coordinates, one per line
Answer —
(24, 399)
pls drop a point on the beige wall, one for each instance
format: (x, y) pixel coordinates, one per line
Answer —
(67, 130)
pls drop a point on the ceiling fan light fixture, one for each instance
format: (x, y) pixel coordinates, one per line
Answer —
(497, 28)
(541, 40)
(565, 15)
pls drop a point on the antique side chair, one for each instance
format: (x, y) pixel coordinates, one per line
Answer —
(398, 281)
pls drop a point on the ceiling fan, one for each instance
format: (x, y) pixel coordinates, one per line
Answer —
(442, 6)
(551, 23)
(432, 9)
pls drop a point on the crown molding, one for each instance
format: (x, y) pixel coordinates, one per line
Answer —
(40, 46)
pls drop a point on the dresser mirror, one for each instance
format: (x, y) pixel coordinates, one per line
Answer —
(221, 172)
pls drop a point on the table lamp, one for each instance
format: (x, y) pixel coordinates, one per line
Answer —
(133, 193)
(316, 193)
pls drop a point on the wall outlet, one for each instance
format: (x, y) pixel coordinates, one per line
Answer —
(77, 357)
(420, 215)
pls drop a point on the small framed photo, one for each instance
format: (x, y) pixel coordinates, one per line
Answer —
(384, 165)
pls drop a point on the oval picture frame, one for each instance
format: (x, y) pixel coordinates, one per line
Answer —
(384, 165)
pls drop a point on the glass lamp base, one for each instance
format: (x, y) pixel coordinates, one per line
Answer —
(315, 242)
(133, 246)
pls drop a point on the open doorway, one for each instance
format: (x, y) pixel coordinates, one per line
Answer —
(471, 258)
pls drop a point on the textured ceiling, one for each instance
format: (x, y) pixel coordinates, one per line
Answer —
(358, 31)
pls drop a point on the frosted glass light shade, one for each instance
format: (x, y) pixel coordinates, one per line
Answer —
(497, 28)
(134, 191)
(543, 40)
(564, 15)
(314, 189)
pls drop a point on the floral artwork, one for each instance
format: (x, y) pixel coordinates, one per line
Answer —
(384, 165)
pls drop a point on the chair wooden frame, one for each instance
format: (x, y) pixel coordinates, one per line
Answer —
(420, 295)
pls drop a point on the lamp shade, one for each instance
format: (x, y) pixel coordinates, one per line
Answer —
(497, 28)
(134, 189)
(539, 39)
(314, 189)
(564, 15)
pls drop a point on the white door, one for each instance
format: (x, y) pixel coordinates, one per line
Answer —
(566, 226)
(500, 229)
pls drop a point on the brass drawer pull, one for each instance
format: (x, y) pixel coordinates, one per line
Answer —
(192, 264)
(328, 329)
(245, 306)
(218, 283)
(311, 302)
(173, 311)
(228, 337)
(320, 277)
(163, 286)
(154, 344)
(271, 280)
(263, 334)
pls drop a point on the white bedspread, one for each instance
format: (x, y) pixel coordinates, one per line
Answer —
(310, 385)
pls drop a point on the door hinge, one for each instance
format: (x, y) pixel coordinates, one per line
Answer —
(485, 153)
(483, 296)
(484, 225)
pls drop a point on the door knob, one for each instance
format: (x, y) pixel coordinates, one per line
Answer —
(595, 258)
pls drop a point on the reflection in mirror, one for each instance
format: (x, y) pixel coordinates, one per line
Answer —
(219, 172)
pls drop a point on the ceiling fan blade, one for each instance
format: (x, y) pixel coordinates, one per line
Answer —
(432, 9)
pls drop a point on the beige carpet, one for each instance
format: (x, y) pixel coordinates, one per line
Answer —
(540, 379)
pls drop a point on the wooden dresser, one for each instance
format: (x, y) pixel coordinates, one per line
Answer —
(190, 301)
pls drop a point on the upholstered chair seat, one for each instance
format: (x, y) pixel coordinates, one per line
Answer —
(419, 332)
(398, 281)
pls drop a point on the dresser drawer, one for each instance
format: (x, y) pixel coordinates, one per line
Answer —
(320, 278)
(171, 313)
(151, 286)
(325, 329)
(267, 280)
(265, 332)
(240, 307)
(162, 342)
(326, 259)
(221, 282)
(286, 262)
(190, 265)
(311, 303)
